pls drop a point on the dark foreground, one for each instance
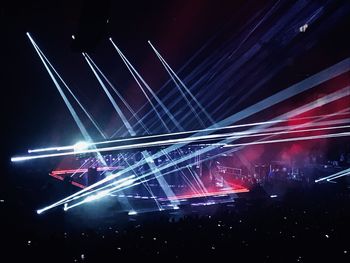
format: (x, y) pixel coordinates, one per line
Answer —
(307, 225)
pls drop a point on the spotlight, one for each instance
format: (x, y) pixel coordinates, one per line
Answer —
(132, 212)
(79, 146)
(73, 37)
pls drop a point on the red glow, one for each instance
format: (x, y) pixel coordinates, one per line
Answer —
(62, 178)
(71, 171)
(78, 185)
(238, 189)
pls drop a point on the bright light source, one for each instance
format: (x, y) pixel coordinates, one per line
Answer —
(285, 94)
(73, 37)
(132, 212)
(80, 146)
(96, 196)
(39, 211)
(334, 176)
(17, 159)
(303, 28)
(273, 196)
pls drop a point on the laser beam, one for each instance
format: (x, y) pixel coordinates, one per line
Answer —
(276, 121)
(295, 89)
(237, 135)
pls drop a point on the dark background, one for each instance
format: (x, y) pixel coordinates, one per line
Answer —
(34, 115)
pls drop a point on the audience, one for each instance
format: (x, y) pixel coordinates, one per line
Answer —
(305, 225)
